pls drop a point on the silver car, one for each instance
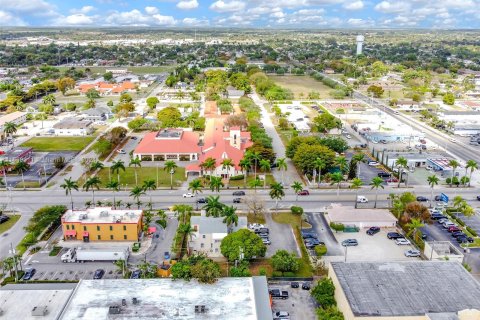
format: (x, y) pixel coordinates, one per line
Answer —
(412, 253)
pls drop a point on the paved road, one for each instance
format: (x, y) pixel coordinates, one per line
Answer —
(321, 228)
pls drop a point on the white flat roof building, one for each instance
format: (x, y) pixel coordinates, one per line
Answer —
(102, 215)
(361, 218)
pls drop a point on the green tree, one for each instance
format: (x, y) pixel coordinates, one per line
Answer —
(227, 164)
(413, 227)
(319, 165)
(135, 162)
(10, 128)
(330, 313)
(230, 216)
(254, 184)
(276, 193)
(306, 156)
(216, 184)
(472, 165)
(116, 167)
(243, 241)
(152, 102)
(209, 165)
(136, 193)
(342, 163)
(170, 166)
(377, 91)
(297, 187)
(400, 164)
(125, 97)
(449, 98)
(324, 293)
(213, 206)
(285, 261)
(432, 181)
(115, 187)
(326, 122)
(149, 185)
(265, 167)
(92, 94)
(68, 185)
(206, 271)
(169, 117)
(22, 166)
(195, 186)
(4, 166)
(245, 165)
(49, 99)
(356, 184)
(92, 184)
(183, 212)
(108, 76)
(337, 178)
(376, 183)
(454, 164)
(64, 84)
(282, 166)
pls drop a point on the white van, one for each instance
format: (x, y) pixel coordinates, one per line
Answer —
(362, 199)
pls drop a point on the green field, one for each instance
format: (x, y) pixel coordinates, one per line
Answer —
(144, 173)
(136, 70)
(48, 144)
(302, 84)
(7, 225)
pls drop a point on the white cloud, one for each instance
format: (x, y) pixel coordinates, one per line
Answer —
(136, 18)
(392, 7)
(360, 23)
(151, 10)
(187, 4)
(33, 7)
(10, 20)
(194, 22)
(277, 14)
(356, 5)
(232, 6)
(84, 9)
(78, 19)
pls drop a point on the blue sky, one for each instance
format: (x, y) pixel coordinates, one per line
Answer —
(244, 13)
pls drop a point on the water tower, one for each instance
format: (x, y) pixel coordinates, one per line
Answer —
(360, 40)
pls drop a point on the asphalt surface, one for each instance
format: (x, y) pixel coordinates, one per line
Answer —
(281, 237)
(321, 228)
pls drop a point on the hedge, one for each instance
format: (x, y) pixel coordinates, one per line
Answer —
(473, 232)
(239, 177)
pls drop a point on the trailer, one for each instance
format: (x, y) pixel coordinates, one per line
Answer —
(95, 254)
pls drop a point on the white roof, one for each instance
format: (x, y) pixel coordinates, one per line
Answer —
(102, 215)
(339, 214)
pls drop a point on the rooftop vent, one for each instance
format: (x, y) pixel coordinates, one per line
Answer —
(114, 310)
(135, 301)
(124, 302)
(39, 311)
(103, 213)
(200, 309)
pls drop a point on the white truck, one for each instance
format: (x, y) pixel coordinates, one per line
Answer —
(95, 254)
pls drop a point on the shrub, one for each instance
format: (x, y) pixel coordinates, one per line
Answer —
(262, 272)
(324, 292)
(276, 274)
(239, 177)
(473, 232)
(289, 274)
(283, 260)
(321, 250)
(296, 210)
(337, 226)
(55, 251)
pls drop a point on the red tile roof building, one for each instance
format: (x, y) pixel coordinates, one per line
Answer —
(106, 88)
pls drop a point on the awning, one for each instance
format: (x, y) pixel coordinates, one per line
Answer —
(70, 233)
(86, 234)
(152, 230)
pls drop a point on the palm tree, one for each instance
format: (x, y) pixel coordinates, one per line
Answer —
(183, 211)
(187, 230)
(69, 185)
(170, 166)
(401, 163)
(195, 186)
(376, 183)
(114, 186)
(277, 193)
(297, 187)
(135, 162)
(256, 183)
(342, 163)
(149, 185)
(282, 166)
(209, 165)
(472, 165)
(230, 216)
(162, 218)
(265, 166)
(92, 184)
(414, 226)
(96, 165)
(319, 164)
(215, 183)
(255, 157)
(454, 164)
(21, 166)
(432, 181)
(10, 128)
(213, 207)
(245, 165)
(227, 164)
(136, 193)
(356, 160)
(356, 184)
(337, 178)
(4, 165)
(116, 167)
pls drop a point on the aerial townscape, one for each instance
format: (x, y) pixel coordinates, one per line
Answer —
(194, 159)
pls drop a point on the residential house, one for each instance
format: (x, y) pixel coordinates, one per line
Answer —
(73, 127)
(98, 114)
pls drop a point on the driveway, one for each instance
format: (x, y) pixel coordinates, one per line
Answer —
(281, 237)
(321, 228)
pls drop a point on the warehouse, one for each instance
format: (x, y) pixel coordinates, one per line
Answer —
(360, 218)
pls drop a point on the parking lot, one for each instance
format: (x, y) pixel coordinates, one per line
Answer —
(74, 271)
(281, 237)
(374, 248)
(300, 304)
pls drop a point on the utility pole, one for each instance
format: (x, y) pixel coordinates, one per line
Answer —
(12, 251)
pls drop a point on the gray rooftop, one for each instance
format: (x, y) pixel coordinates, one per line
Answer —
(407, 288)
(72, 123)
(239, 298)
(207, 225)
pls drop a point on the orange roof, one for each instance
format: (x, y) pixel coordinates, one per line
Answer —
(150, 144)
(85, 87)
(104, 85)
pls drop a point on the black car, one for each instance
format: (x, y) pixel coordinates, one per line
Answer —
(294, 285)
(394, 235)
(465, 239)
(237, 200)
(202, 200)
(438, 198)
(306, 235)
(372, 230)
(457, 234)
(133, 138)
(98, 274)
(262, 230)
(263, 235)
(238, 193)
(136, 274)
(421, 199)
(306, 286)
(29, 274)
(4, 219)
(437, 216)
(478, 198)
(384, 174)
(313, 241)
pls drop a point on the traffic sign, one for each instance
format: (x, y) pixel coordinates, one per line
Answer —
(443, 197)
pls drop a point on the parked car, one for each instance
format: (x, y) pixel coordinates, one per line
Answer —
(294, 284)
(373, 230)
(395, 235)
(262, 230)
(133, 138)
(188, 195)
(465, 239)
(478, 198)
(457, 234)
(4, 218)
(281, 315)
(266, 241)
(402, 242)
(348, 136)
(442, 220)
(453, 229)
(349, 242)
(362, 199)
(306, 235)
(384, 174)
(278, 294)
(363, 145)
(306, 286)
(237, 200)
(121, 151)
(422, 199)
(238, 193)
(304, 193)
(29, 274)
(313, 241)
(447, 224)
(136, 274)
(373, 163)
(166, 255)
(202, 200)
(98, 274)
(412, 253)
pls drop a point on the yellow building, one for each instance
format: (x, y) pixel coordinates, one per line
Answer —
(102, 224)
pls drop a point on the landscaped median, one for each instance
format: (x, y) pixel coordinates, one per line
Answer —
(9, 223)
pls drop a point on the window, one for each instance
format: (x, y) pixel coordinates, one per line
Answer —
(99, 237)
(73, 227)
(84, 228)
(216, 249)
(203, 236)
(68, 227)
(111, 237)
(111, 228)
(98, 228)
(202, 245)
(211, 245)
(124, 237)
(124, 228)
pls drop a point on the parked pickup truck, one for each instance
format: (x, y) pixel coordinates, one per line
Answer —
(278, 294)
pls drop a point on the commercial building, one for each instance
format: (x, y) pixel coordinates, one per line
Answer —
(227, 298)
(102, 224)
(459, 116)
(16, 117)
(442, 250)
(417, 290)
(73, 127)
(360, 218)
(209, 233)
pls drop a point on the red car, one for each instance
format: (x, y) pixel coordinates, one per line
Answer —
(453, 229)
(304, 193)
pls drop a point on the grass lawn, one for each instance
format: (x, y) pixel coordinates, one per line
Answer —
(28, 184)
(7, 225)
(285, 135)
(475, 244)
(251, 218)
(251, 177)
(58, 143)
(302, 84)
(144, 173)
(289, 218)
